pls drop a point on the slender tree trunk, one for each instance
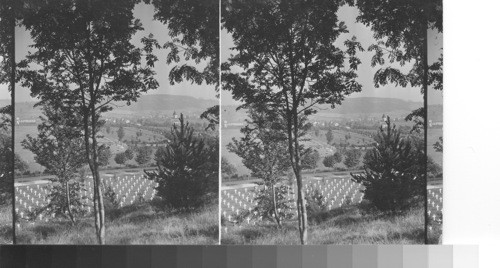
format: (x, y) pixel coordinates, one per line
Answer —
(91, 154)
(293, 148)
(98, 197)
(276, 216)
(68, 203)
(300, 192)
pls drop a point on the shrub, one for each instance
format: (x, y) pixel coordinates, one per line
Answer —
(394, 173)
(352, 158)
(333, 159)
(273, 206)
(186, 169)
(143, 155)
(129, 154)
(120, 158)
(328, 161)
(226, 167)
(317, 209)
(58, 200)
(310, 159)
(110, 198)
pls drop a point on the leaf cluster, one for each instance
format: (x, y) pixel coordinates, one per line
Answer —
(289, 54)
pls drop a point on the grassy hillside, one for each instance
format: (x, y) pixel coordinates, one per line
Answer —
(6, 224)
(24, 154)
(227, 135)
(318, 143)
(111, 139)
(135, 224)
(346, 225)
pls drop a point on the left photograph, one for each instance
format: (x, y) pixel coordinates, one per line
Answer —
(6, 144)
(117, 122)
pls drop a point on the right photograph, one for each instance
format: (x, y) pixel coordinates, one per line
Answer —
(325, 135)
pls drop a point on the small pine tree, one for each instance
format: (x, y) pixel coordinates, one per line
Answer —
(331, 160)
(187, 169)
(129, 154)
(310, 158)
(227, 168)
(337, 157)
(316, 132)
(104, 153)
(317, 208)
(120, 133)
(120, 158)
(329, 136)
(328, 161)
(394, 176)
(143, 155)
(352, 158)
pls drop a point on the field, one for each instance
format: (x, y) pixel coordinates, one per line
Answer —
(130, 133)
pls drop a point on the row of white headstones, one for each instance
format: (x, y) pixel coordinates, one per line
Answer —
(336, 192)
(128, 188)
(435, 204)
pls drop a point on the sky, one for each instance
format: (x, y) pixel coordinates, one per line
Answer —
(365, 71)
(145, 14)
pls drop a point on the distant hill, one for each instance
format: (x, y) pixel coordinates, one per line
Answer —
(165, 102)
(368, 105)
(146, 103)
(351, 106)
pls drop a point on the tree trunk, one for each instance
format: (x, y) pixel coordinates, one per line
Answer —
(68, 203)
(293, 148)
(98, 198)
(276, 216)
(301, 207)
(98, 201)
